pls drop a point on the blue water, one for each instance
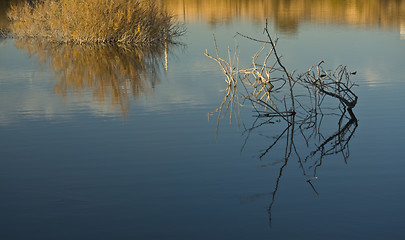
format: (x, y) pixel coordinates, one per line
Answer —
(75, 168)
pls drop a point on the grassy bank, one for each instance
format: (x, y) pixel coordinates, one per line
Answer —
(139, 22)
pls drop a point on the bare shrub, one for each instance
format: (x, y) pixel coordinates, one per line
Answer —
(299, 104)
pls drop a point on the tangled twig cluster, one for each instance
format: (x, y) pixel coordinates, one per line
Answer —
(300, 101)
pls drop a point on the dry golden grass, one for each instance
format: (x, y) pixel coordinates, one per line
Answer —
(139, 22)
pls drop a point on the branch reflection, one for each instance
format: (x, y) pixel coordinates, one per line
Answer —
(112, 73)
(307, 141)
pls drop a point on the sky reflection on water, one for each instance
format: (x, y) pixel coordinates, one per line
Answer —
(74, 168)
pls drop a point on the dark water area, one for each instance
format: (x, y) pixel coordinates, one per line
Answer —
(107, 143)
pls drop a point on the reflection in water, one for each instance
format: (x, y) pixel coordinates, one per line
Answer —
(296, 106)
(308, 143)
(110, 72)
(402, 31)
(287, 15)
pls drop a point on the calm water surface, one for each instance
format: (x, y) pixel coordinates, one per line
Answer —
(101, 143)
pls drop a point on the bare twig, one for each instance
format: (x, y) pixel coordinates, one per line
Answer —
(266, 88)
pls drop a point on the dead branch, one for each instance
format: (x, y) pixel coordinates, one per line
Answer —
(303, 104)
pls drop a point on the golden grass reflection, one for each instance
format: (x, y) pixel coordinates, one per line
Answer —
(112, 73)
(287, 15)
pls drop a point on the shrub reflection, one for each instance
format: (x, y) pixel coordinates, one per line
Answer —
(112, 73)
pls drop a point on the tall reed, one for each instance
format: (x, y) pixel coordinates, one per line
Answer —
(139, 22)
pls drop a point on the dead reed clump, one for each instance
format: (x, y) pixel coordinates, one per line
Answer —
(136, 22)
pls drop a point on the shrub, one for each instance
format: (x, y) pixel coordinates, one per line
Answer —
(139, 22)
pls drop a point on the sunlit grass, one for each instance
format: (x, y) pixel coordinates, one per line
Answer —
(139, 22)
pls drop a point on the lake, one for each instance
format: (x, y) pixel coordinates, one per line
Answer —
(106, 143)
